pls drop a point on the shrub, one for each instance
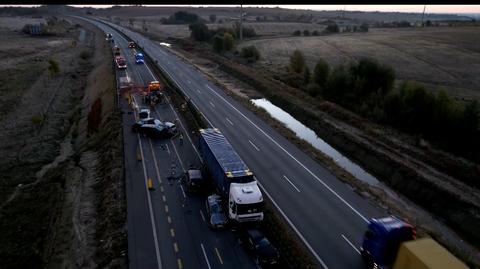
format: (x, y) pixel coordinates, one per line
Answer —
(306, 33)
(315, 33)
(332, 28)
(36, 119)
(212, 18)
(250, 53)
(182, 17)
(297, 33)
(306, 75)
(218, 43)
(227, 42)
(199, 31)
(85, 54)
(313, 89)
(297, 61)
(364, 27)
(53, 67)
(320, 73)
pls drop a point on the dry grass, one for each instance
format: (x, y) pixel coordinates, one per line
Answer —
(17, 23)
(437, 57)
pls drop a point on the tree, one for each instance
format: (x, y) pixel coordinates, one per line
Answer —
(251, 53)
(297, 61)
(297, 33)
(364, 27)
(199, 31)
(227, 41)
(306, 33)
(320, 73)
(313, 89)
(213, 18)
(332, 28)
(218, 43)
(53, 67)
(306, 75)
(315, 32)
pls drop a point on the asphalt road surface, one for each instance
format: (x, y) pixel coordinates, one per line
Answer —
(166, 226)
(326, 214)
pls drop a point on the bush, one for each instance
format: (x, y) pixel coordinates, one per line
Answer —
(332, 28)
(53, 67)
(182, 17)
(218, 43)
(212, 18)
(297, 61)
(320, 73)
(306, 33)
(297, 33)
(85, 54)
(251, 53)
(306, 75)
(315, 33)
(313, 89)
(199, 31)
(364, 27)
(246, 31)
(227, 42)
(36, 120)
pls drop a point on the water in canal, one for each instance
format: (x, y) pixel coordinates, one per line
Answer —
(311, 137)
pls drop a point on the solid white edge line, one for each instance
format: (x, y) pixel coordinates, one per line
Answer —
(205, 255)
(253, 145)
(288, 153)
(350, 243)
(291, 183)
(183, 192)
(293, 227)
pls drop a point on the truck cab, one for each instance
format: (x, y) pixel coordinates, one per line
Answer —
(382, 240)
(121, 62)
(245, 202)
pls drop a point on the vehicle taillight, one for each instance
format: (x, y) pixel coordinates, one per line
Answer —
(414, 233)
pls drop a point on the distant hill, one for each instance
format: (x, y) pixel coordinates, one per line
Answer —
(277, 14)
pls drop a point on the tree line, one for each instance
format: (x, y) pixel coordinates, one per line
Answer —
(367, 88)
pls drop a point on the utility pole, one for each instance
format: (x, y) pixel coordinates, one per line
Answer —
(241, 21)
(423, 14)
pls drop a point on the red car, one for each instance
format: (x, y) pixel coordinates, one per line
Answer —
(121, 63)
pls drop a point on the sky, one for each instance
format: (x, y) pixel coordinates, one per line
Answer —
(388, 8)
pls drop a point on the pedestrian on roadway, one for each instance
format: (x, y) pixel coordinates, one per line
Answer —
(181, 139)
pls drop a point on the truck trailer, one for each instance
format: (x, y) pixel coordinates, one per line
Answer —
(391, 243)
(232, 178)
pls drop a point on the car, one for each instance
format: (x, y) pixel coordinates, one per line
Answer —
(154, 127)
(139, 59)
(194, 179)
(109, 37)
(216, 215)
(265, 253)
(144, 113)
(132, 45)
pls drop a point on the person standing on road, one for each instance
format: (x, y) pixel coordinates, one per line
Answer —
(181, 139)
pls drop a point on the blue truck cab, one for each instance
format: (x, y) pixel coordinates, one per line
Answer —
(382, 240)
(139, 58)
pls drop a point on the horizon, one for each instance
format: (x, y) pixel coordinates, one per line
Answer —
(430, 9)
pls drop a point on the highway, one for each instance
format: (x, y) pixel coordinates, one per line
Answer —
(166, 226)
(326, 214)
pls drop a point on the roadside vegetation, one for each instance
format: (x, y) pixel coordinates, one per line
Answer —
(367, 88)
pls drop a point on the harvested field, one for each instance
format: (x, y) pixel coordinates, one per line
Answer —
(446, 57)
(52, 175)
(16, 23)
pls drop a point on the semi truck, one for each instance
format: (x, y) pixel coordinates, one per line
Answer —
(233, 180)
(391, 243)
